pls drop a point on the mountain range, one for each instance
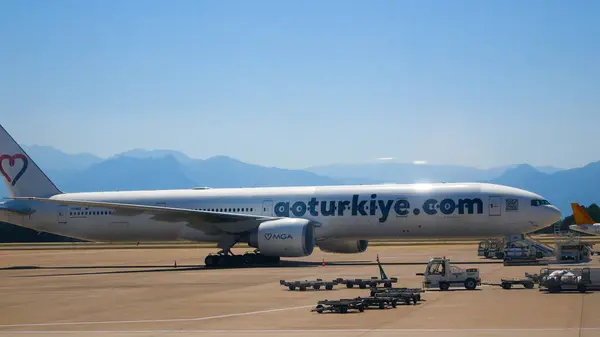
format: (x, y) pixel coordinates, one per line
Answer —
(167, 169)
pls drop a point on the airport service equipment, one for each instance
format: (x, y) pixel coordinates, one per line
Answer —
(441, 273)
(372, 282)
(341, 306)
(527, 283)
(569, 279)
(303, 285)
(491, 248)
(407, 295)
(379, 302)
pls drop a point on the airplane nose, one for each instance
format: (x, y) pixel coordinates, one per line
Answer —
(553, 214)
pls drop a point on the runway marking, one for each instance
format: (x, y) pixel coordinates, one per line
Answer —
(312, 330)
(155, 320)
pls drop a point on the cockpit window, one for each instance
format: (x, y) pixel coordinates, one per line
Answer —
(539, 202)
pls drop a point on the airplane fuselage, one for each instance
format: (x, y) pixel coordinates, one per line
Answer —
(360, 212)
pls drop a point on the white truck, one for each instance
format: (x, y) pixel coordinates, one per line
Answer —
(440, 273)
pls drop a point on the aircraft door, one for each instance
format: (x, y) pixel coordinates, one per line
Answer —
(63, 214)
(495, 206)
(267, 207)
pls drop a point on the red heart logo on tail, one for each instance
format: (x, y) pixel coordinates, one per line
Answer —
(11, 160)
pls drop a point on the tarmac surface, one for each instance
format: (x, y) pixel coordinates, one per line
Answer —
(139, 292)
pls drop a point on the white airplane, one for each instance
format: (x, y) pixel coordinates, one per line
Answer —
(277, 221)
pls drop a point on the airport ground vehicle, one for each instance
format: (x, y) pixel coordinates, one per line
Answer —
(366, 283)
(508, 283)
(579, 279)
(341, 306)
(491, 248)
(380, 302)
(441, 273)
(303, 285)
(372, 282)
(407, 295)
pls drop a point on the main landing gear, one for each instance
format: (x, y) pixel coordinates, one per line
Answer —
(228, 259)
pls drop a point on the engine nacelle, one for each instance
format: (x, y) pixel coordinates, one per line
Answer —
(343, 246)
(284, 237)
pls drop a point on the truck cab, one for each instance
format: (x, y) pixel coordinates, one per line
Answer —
(440, 273)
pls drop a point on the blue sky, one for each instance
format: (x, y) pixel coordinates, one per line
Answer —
(300, 83)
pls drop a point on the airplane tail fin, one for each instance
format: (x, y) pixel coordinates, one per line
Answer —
(23, 178)
(580, 215)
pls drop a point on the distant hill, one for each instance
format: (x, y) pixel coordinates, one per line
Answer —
(410, 173)
(580, 185)
(164, 169)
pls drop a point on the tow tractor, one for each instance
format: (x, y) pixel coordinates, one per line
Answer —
(441, 273)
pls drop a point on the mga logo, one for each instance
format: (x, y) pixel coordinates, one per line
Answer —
(277, 236)
(9, 168)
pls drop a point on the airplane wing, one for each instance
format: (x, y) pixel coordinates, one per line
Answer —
(211, 223)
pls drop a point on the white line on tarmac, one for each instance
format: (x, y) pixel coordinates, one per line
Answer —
(311, 330)
(155, 320)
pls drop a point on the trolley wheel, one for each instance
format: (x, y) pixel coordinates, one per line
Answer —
(320, 309)
(506, 285)
(292, 287)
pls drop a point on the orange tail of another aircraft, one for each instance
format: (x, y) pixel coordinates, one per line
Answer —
(580, 215)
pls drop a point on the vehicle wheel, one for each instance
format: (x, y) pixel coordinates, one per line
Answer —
(316, 287)
(539, 255)
(470, 284)
(528, 285)
(320, 309)
(329, 287)
(362, 286)
(344, 310)
(581, 288)
(349, 285)
(506, 285)
(444, 286)
(209, 261)
(292, 287)
(361, 308)
(394, 303)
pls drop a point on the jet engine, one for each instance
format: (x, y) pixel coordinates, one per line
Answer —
(288, 237)
(343, 246)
